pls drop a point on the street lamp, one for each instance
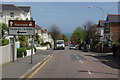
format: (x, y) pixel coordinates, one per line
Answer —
(98, 8)
(103, 19)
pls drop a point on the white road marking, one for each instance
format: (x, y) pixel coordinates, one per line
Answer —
(78, 58)
(81, 61)
(89, 72)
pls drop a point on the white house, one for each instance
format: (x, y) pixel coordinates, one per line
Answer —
(12, 12)
(44, 35)
(100, 29)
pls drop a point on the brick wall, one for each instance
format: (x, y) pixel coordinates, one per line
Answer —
(115, 30)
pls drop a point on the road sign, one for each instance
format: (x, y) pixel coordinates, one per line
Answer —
(17, 27)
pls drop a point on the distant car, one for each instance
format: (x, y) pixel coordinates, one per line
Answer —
(72, 47)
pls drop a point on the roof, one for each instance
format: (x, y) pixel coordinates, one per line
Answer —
(44, 30)
(13, 7)
(113, 18)
(25, 8)
(101, 23)
(38, 27)
(9, 7)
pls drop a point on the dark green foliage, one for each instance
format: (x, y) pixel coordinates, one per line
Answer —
(48, 43)
(28, 48)
(20, 52)
(34, 48)
(5, 42)
(43, 44)
(4, 28)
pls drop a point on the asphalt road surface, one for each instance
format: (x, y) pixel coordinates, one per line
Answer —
(77, 64)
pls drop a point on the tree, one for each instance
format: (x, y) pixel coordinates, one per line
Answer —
(4, 28)
(23, 41)
(89, 31)
(55, 32)
(36, 38)
(78, 35)
(64, 37)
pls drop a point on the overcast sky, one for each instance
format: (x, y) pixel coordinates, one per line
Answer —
(68, 15)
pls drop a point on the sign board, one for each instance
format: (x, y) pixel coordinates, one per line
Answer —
(109, 34)
(19, 27)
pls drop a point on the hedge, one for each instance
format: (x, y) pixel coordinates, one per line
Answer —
(5, 42)
(20, 52)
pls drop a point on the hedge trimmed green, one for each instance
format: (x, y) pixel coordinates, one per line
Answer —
(34, 48)
(5, 42)
(20, 52)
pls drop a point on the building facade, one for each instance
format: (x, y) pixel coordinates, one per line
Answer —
(100, 30)
(12, 12)
(112, 27)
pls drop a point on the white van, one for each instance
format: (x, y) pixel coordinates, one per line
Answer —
(60, 44)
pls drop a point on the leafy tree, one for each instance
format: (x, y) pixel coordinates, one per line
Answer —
(78, 35)
(64, 37)
(4, 28)
(23, 41)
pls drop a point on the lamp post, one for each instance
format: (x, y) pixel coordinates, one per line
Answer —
(99, 9)
(103, 19)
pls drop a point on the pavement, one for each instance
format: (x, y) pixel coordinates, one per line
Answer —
(21, 68)
(78, 65)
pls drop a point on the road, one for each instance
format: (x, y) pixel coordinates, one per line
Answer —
(77, 64)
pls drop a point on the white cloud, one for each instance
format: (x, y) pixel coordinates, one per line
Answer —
(60, 0)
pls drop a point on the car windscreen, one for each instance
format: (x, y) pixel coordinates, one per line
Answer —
(72, 46)
(60, 42)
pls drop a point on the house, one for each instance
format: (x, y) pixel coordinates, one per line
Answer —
(12, 12)
(112, 27)
(44, 35)
(100, 30)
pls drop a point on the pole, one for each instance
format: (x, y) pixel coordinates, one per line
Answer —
(102, 47)
(14, 48)
(32, 51)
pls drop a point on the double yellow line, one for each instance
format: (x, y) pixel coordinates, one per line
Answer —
(28, 78)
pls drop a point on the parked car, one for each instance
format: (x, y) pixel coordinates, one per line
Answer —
(72, 47)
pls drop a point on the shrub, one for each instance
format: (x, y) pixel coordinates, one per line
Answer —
(28, 48)
(34, 48)
(20, 52)
(5, 42)
(22, 44)
(43, 44)
(48, 43)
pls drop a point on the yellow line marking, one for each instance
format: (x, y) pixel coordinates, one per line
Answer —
(39, 68)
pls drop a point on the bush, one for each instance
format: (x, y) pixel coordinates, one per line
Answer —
(22, 44)
(43, 44)
(28, 48)
(48, 43)
(5, 42)
(34, 48)
(20, 52)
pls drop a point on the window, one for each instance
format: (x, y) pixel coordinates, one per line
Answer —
(1, 15)
(11, 14)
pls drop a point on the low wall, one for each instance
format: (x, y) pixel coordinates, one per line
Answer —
(6, 53)
(29, 52)
(41, 48)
